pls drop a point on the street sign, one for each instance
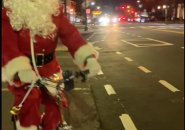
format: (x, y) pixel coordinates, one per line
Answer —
(88, 11)
(96, 12)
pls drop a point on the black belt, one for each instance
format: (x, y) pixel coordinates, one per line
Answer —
(42, 59)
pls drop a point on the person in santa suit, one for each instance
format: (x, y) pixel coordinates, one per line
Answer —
(29, 25)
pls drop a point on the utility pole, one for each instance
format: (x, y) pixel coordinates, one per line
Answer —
(86, 28)
(65, 7)
(166, 14)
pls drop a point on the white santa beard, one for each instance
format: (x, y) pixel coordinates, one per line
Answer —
(35, 15)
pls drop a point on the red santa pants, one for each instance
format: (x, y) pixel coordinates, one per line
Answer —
(30, 111)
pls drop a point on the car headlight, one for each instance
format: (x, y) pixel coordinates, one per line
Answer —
(104, 20)
(114, 20)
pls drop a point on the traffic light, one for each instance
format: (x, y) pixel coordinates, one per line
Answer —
(132, 12)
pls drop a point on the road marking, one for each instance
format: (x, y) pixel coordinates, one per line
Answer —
(130, 43)
(163, 30)
(128, 59)
(81, 89)
(76, 89)
(149, 44)
(144, 69)
(109, 89)
(61, 48)
(100, 72)
(127, 122)
(168, 86)
(119, 53)
(167, 43)
(4, 89)
(97, 48)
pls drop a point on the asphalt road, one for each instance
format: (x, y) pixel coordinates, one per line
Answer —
(141, 85)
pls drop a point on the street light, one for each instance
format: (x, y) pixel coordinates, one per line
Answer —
(98, 7)
(92, 3)
(158, 7)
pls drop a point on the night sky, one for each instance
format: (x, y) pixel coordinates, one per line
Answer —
(114, 2)
(109, 5)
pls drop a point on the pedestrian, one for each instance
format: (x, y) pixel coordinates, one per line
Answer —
(30, 31)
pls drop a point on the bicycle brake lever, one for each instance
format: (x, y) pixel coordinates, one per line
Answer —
(39, 83)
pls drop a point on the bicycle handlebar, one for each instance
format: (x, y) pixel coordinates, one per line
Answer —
(68, 76)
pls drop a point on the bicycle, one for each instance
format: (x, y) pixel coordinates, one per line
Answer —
(66, 84)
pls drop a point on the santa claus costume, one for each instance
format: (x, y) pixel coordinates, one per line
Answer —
(40, 22)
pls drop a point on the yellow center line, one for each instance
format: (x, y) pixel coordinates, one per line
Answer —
(163, 30)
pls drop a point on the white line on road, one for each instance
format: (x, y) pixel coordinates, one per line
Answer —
(168, 86)
(130, 43)
(97, 48)
(119, 53)
(109, 89)
(81, 89)
(128, 59)
(127, 122)
(167, 43)
(144, 69)
(163, 30)
(4, 89)
(76, 89)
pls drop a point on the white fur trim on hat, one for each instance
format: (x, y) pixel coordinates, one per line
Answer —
(19, 127)
(14, 66)
(82, 53)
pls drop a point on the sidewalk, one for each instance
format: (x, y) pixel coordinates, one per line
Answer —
(81, 28)
(82, 112)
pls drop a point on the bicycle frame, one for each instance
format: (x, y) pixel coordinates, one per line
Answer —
(41, 83)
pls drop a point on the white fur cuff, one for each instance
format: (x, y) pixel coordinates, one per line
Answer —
(19, 127)
(13, 66)
(81, 54)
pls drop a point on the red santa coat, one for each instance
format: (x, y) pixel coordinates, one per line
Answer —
(15, 52)
(16, 47)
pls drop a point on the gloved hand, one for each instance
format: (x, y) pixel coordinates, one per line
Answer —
(93, 66)
(27, 76)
